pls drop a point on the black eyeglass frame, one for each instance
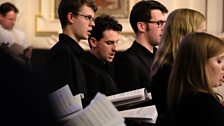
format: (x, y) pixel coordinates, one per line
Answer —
(87, 17)
(160, 23)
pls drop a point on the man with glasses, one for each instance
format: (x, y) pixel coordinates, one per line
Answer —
(132, 67)
(64, 66)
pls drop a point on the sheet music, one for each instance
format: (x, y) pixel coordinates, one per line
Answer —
(100, 112)
(146, 114)
(149, 95)
(64, 103)
(127, 95)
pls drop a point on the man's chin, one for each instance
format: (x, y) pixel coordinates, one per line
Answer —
(9, 28)
(109, 60)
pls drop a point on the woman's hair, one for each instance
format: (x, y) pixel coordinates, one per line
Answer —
(179, 23)
(189, 72)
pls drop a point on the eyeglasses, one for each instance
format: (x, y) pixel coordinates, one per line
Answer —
(87, 17)
(160, 23)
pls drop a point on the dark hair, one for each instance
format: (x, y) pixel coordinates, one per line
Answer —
(6, 7)
(73, 6)
(141, 11)
(103, 23)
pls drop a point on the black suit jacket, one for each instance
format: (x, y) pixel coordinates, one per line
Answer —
(65, 67)
(132, 68)
(98, 76)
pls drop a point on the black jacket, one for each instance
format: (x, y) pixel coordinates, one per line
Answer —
(99, 77)
(65, 67)
(132, 68)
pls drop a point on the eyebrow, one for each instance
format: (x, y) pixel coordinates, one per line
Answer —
(111, 40)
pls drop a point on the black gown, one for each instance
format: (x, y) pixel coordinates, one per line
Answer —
(99, 77)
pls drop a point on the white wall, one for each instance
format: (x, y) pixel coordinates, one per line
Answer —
(215, 16)
(192, 4)
(213, 9)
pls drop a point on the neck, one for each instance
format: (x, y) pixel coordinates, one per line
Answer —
(94, 53)
(145, 43)
(70, 34)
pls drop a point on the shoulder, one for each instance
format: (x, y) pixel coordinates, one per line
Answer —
(19, 32)
(128, 54)
(125, 59)
(201, 101)
(61, 47)
(200, 107)
(199, 96)
(62, 53)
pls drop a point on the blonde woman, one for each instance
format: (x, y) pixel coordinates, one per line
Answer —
(179, 23)
(198, 67)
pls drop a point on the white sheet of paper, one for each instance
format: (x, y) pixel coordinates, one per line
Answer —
(100, 112)
(64, 103)
(146, 114)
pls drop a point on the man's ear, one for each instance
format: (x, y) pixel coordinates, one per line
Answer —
(1, 16)
(93, 42)
(141, 26)
(70, 16)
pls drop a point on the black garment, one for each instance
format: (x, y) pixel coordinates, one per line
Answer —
(159, 90)
(22, 99)
(200, 109)
(132, 71)
(98, 76)
(132, 68)
(65, 67)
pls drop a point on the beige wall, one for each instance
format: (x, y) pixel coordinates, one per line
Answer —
(29, 9)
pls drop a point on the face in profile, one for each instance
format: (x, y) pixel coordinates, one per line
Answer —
(84, 19)
(155, 28)
(106, 47)
(215, 67)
